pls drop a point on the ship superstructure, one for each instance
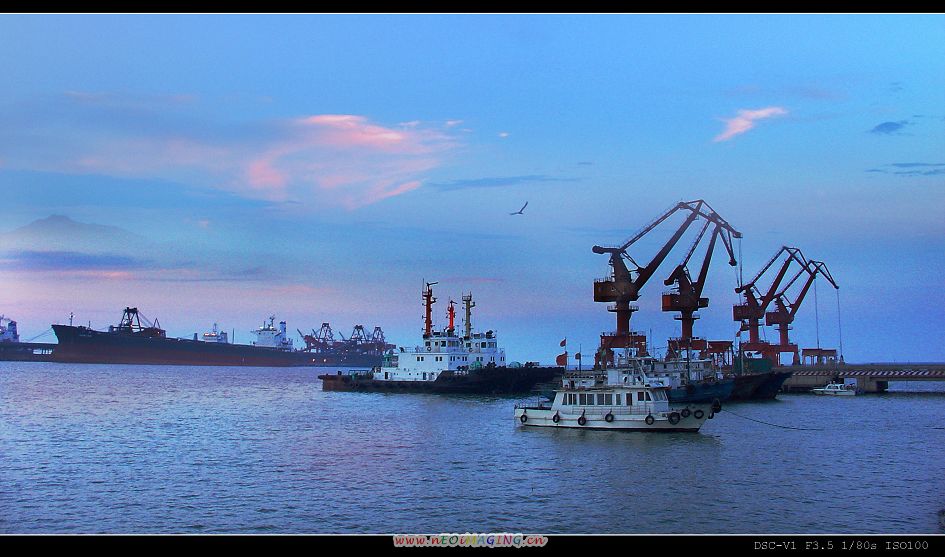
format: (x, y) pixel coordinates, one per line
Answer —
(8, 331)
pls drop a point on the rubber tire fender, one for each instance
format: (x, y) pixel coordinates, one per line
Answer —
(556, 418)
(582, 420)
(685, 412)
(609, 417)
(673, 418)
(649, 419)
(698, 414)
(523, 418)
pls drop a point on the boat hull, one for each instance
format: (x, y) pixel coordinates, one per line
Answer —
(497, 380)
(759, 386)
(772, 385)
(621, 420)
(703, 391)
(26, 351)
(83, 345)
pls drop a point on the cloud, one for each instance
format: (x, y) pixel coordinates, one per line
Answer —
(745, 120)
(911, 169)
(317, 160)
(30, 260)
(503, 135)
(499, 181)
(889, 128)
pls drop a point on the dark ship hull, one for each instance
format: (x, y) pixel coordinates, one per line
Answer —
(26, 351)
(703, 391)
(487, 380)
(759, 386)
(84, 345)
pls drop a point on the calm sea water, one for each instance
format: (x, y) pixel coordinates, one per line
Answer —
(118, 449)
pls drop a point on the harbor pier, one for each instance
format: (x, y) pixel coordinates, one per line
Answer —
(870, 378)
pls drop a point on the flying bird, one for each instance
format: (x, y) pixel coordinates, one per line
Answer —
(519, 212)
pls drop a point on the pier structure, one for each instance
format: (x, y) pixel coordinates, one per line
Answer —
(870, 378)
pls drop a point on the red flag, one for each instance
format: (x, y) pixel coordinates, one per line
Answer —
(563, 342)
(562, 359)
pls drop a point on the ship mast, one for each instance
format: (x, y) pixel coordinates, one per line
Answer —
(451, 313)
(468, 304)
(428, 301)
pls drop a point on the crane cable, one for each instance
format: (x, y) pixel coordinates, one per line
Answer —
(816, 312)
(839, 327)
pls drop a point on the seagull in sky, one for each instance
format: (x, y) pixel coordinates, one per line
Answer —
(519, 212)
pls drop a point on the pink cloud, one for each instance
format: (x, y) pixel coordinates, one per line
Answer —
(347, 159)
(319, 160)
(745, 120)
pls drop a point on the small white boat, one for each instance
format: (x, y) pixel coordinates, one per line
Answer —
(836, 389)
(618, 399)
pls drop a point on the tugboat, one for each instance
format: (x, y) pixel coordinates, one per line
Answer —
(617, 399)
(447, 362)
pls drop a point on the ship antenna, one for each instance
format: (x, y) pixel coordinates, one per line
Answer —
(468, 304)
(451, 314)
(428, 301)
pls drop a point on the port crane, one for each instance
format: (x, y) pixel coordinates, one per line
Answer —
(785, 309)
(755, 304)
(623, 285)
(686, 297)
(752, 309)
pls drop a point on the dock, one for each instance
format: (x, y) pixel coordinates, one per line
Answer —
(870, 377)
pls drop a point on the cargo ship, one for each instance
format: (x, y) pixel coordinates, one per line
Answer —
(134, 342)
(447, 361)
(11, 349)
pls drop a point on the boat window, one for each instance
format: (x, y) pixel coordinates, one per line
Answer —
(639, 395)
(648, 395)
(629, 399)
(609, 399)
(582, 399)
(617, 399)
(600, 399)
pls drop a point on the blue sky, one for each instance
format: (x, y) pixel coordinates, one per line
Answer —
(321, 167)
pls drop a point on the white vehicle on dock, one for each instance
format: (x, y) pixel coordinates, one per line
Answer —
(618, 399)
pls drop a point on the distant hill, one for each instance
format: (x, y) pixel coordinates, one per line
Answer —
(59, 232)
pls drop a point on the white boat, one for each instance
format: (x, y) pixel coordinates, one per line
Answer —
(836, 389)
(618, 399)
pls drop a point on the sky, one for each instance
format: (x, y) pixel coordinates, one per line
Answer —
(319, 168)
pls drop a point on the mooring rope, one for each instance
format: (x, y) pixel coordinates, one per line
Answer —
(727, 411)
